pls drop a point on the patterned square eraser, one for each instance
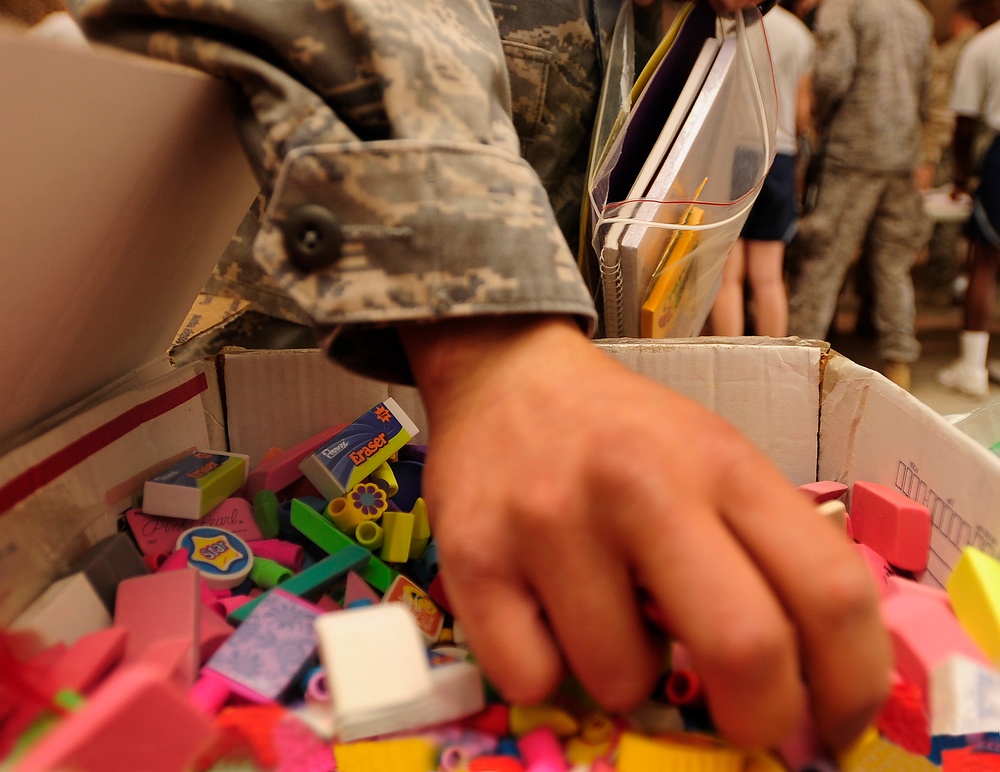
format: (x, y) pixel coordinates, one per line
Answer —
(269, 648)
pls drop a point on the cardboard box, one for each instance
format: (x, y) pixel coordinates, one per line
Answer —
(816, 414)
(99, 407)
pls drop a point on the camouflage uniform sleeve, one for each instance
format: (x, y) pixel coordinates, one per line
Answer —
(380, 132)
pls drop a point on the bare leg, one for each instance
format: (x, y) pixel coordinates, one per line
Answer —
(981, 295)
(767, 287)
(727, 312)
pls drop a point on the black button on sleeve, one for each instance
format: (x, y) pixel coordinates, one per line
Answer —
(312, 237)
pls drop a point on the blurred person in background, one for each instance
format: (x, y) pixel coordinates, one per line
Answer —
(871, 83)
(942, 282)
(758, 255)
(976, 103)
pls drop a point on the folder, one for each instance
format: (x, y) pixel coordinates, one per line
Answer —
(678, 177)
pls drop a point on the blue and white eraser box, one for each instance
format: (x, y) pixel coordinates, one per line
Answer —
(195, 485)
(359, 449)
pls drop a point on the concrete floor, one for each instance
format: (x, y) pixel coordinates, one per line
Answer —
(938, 324)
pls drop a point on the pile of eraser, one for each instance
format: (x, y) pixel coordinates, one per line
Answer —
(290, 617)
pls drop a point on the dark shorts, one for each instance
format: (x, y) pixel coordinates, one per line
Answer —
(984, 224)
(774, 215)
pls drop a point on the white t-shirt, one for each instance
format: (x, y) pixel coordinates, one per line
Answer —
(792, 53)
(976, 92)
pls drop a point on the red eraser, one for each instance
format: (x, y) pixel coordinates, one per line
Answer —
(88, 660)
(924, 634)
(438, 594)
(282, 469)
(897, 528)
(137, 719)
(903, 719)
(824, 490)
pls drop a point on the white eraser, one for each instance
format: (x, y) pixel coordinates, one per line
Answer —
(375, 660)
(69, 609)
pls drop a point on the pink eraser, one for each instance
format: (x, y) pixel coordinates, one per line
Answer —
(284, 553)
(155, 533)
(878, 566)
(896, 584)
(160, 607)
(541, 750)
(170, 656)
(175, 561)
(135, 720)
(924, 634)
(897, 528)
(88, 660)
(358, 592)
(210, 692)
(282, 469)
(824, 490)
(215, 631)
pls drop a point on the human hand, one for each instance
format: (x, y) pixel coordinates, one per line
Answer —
(563, 487)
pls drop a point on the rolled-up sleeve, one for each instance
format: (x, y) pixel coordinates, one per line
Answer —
(380, 132)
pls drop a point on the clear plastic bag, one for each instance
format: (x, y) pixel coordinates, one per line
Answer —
(661, 254)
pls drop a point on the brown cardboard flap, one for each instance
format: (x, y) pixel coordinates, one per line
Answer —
(122, 181)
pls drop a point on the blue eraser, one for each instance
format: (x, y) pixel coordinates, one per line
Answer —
(195, 485)
(357, 450)
(221, 557)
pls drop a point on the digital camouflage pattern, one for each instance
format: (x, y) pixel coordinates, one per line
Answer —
(393, 117)
(873, 115)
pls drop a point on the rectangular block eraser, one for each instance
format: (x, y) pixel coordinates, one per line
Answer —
(69, 609)
(965, 697)
(974, 592)
(137, 719)
(281, 470)
(162, 607)
(87, 661)
(897, 528)
(375, 661)
(359, 449)
(824, 490)
(924, 634)
(108, 563)
(261, 659)
(195, 485)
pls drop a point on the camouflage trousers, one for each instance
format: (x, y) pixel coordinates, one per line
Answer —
(855, 211)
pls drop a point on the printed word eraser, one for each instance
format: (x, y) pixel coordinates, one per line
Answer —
(195, 485)
(359, 449)
(222, 558)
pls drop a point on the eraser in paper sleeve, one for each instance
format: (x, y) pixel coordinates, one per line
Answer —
(195, 485)
(359, 449)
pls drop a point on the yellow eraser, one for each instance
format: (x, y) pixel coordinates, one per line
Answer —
(974, 591)
(403, 755)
